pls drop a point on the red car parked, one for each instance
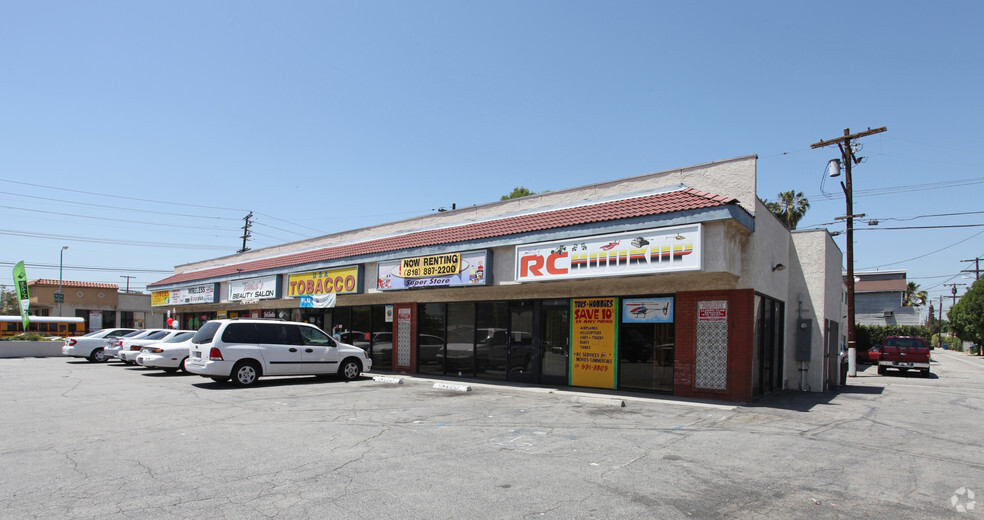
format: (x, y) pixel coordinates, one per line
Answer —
(869, 356)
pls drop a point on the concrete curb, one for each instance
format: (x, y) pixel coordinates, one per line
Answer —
(602, 401)
(385, 379)
(452, 386)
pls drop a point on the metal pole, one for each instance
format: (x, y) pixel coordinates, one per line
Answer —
(852, 350)
(939, 335)
(61, 257)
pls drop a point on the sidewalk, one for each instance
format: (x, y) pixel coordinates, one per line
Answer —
(961, 356)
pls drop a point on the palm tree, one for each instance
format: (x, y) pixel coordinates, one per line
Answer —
(790, 208)
(913, 296)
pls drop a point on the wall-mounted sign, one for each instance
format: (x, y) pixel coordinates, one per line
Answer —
(330, 281)
(445, 270)
(319, 301)
(205, 293)
(647, 310)
(712, 310)
(254, 288)
(429, 266)
(593, 338)
(158, 298)
(638, 252)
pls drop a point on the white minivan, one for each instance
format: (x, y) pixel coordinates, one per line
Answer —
(245, 349)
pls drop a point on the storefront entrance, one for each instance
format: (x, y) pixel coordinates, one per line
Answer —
(518, 341)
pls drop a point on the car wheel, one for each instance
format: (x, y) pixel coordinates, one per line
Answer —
(97, 356)
(245, 373)
(925, 373)
(881, 371)
(181, 367)
(350, 369)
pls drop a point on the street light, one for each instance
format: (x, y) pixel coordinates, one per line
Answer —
(61, 297)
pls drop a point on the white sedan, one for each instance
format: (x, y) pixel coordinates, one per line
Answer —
(130, 347)
(92, 344)
(113, 345)
(169, 354)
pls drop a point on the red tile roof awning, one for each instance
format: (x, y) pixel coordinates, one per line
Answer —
(655, 204)
(44, 282)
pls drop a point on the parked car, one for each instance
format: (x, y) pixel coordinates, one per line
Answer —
(169, 354)
(869, 356)
(130, 348)
(246, 349)
(114, 345)
(91, 345)
(904, 353)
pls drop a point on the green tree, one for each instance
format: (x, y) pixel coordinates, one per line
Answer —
(518, 192)
(967, 316)
(790, 207)
(8, 302)
(913, 296)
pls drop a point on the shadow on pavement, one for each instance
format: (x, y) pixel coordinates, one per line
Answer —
(798, 401)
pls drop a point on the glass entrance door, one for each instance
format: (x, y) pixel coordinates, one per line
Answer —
(556, 346)
(523, 353)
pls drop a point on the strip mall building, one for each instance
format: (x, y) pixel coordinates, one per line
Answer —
(677, 282)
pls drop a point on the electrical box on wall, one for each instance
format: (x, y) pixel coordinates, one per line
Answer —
(804, 339)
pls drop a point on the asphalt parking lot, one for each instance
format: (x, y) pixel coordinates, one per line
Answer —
(105, 441)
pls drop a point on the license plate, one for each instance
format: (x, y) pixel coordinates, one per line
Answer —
(196, 355)
(902, 364)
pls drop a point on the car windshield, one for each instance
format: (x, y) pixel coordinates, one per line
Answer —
(93, 333)
(156, 335)
(134, 333)
(905, 342)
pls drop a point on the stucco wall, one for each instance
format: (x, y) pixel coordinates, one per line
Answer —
(769, 245)
(814, 293)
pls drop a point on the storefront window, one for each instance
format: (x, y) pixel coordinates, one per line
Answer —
(108, 319)
(556, 341)
(430, 338)
(460, 358)
(381, 349)
(490, 339)
(646, 356)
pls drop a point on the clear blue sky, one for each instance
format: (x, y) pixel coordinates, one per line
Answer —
(140, 134)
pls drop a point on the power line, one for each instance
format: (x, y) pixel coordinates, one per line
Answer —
(108, 241)
(879, 228)
(118, 208)
(910, 187)
(927, 254)
(99, 194)
(112, 219)
(91, 268)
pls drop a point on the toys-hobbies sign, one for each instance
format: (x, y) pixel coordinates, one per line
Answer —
(639, 252)
(594, 334)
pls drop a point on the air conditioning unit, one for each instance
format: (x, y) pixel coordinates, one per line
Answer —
(889, 313)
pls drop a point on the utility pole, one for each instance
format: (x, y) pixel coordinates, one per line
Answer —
(953, 290)
(977, 268)
(127, 281)
(848, 159)
(939, 336)
(245, 236)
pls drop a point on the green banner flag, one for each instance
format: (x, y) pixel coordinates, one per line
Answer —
(20, 280)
